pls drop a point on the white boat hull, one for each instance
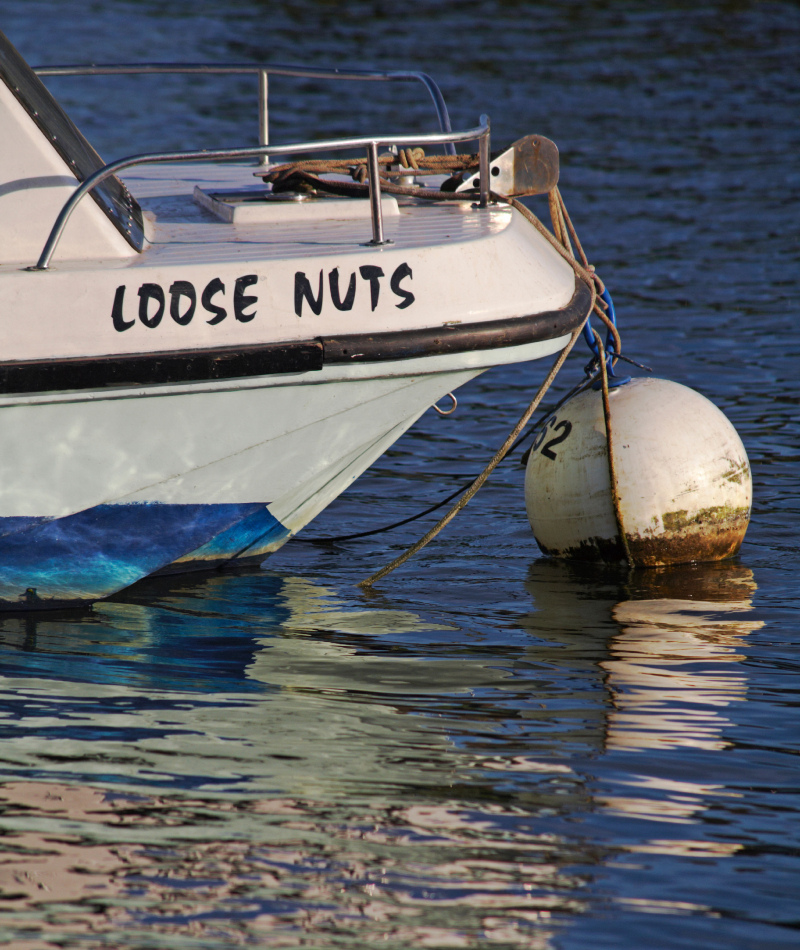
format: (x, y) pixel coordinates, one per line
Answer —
(179, 477)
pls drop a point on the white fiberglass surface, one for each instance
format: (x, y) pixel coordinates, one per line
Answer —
(166, 193)
(445, 265)
(229, 445)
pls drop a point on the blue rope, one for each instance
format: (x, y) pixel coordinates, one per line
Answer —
(588, 334)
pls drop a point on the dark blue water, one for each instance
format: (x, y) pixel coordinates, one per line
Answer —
(492, 749)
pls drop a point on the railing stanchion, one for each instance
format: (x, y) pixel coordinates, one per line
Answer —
(375, 194)
(263, 112)
(484, 155)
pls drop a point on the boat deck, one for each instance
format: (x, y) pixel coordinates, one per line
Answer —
(182, 232)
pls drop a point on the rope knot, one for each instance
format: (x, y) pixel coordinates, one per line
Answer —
(410, 157)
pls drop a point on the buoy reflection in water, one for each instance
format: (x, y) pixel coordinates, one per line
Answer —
(658, 674)
(665, 697)
(653, 671)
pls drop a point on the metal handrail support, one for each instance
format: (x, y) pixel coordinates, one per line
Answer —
(263, 113)
(484, 154)
(152, 158)
(375, 195)
(263, 71)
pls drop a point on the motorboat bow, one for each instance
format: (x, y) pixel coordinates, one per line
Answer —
(195, 363)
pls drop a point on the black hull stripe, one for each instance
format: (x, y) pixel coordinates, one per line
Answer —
(267, 360)
(490, 335)
(158, 368)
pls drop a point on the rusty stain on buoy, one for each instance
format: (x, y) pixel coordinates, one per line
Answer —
(707, 535)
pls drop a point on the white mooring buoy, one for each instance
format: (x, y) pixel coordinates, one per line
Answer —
(682, 477)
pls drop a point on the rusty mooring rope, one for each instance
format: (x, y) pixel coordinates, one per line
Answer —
(584, 270)
(612, 469)
(306, 175)
(565, 236)
(476, 485)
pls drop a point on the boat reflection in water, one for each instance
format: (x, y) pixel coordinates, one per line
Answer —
(255, 754)
(254, 757)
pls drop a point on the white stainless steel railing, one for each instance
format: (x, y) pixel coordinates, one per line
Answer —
(263, 71)
(370, 143)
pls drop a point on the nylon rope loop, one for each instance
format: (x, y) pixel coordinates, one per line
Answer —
(308, 172)
(585, 273)
(611, 349)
